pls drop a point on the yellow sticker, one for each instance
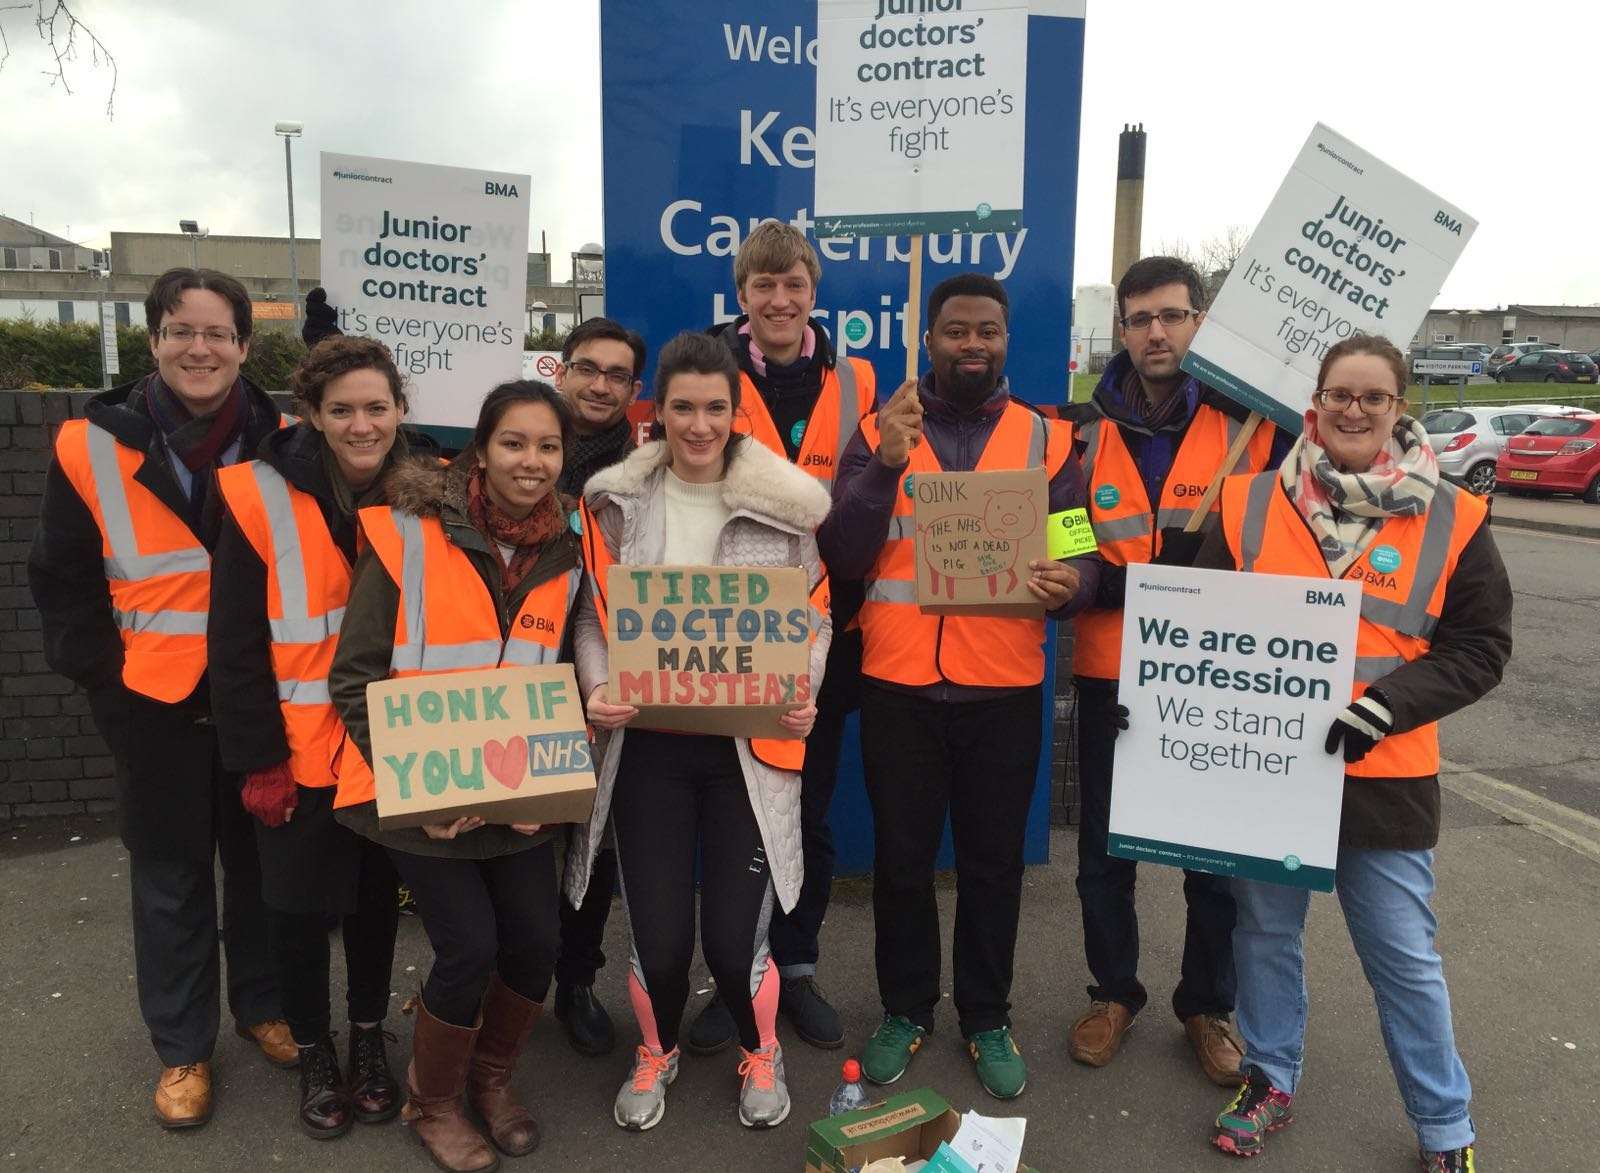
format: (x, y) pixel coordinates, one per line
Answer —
(1070, 534)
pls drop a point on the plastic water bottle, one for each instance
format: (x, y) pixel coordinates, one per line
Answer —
(849, 1095)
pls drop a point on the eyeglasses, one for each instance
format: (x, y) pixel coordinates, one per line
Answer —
(1168, 318)
(184, 335)
(617, 378)
(1338, 399)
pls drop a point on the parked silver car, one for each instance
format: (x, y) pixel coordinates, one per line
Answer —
(1468, 440)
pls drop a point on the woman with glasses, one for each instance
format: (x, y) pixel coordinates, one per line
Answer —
(1360, 497)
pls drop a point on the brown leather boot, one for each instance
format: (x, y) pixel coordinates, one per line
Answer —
(183, 1096)
(1097, 1035)
(435, 1082)
(508, 1019)
(1218, 1047)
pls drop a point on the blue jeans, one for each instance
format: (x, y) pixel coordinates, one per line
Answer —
(1385, 897)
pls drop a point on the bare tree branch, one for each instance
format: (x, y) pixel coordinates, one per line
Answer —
(63, 33)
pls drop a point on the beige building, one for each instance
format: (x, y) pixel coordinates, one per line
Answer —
(1571, 327)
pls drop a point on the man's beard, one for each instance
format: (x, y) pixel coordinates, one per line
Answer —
(969, 390)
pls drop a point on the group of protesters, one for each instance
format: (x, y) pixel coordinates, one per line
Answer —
(224, 580)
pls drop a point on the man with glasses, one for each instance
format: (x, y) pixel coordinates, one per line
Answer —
(1151, 440)
(121, 573)
(601, 372)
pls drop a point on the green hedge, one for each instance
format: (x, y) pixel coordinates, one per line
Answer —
(51, 354)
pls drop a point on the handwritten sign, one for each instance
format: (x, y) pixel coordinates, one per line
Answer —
(505, 744)
(709, 649)
(976, 534)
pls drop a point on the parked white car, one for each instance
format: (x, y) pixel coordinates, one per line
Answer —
(1468, 440)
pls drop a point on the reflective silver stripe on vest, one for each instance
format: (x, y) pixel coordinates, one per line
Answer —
(1370, 669)
(529, 653)
(409, 655)
(891, 590)
(902, 526)
(304, 692)
(126, 563)
(849, 413)
(1091, 450)
(298, 625)
(1254, 531)
(162, 622)
(1121, 528)
(1038, 442)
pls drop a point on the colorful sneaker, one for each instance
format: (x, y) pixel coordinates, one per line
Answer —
(1453, 1161)
(1258, 1109)
(764, 1096)
(643, 1099)
(1000, 1067)
(890, 1049)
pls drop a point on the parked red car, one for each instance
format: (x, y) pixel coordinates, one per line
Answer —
(1556, 455)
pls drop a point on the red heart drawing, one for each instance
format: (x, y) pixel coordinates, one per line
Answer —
(508, 762)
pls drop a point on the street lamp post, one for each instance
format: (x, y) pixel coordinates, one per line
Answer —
(194, 232)
(291, 130)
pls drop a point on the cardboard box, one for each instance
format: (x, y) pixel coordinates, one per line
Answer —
(709, 649)
(976, 534)
(911, 1125)
(506, 744)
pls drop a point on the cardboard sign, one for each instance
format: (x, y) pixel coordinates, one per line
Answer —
(921, 116)
(1231, 682)
(432, 262)
(1348, 244)
(976, 534)
(505, 744)
(709, 649)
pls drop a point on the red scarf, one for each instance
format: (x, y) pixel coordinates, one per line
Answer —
(526, 537)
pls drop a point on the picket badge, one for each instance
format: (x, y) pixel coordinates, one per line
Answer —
(709, 649)
(507, 745)
(976, 534)
(1071, 534)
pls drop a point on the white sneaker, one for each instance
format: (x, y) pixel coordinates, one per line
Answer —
(642, 1101)
(764, 1096)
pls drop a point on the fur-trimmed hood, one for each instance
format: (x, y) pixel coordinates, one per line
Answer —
(427, 486)
(758, 481)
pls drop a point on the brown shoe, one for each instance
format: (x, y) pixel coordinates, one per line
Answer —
(274, 1039)
(183, 1096)
(1218, 1047)
(435, 1083)
(508, 1019)
(1098, 1034)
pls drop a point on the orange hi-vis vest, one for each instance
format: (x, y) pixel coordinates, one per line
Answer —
(158, 571)
(308, 584)
(1129, 529)
(447, 619)
(900, 643)
(849, 391)
(1404, 572)
(781, 753)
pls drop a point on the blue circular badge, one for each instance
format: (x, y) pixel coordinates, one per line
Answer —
(1107, 496)
(575, 522)
(798, 432)
(906, 484)
(1291, 863)
(1384, 559)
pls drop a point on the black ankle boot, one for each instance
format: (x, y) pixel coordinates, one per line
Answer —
(325, 1108)
(373, 1090)
(587, 1024)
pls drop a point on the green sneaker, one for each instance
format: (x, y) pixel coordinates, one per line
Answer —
(1000, 1067)
(890, 1049)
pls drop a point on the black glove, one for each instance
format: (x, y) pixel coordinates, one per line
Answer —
(1113, 587)
(1361, 726)
(1119, 720)
(322, 320)
(1178, 548)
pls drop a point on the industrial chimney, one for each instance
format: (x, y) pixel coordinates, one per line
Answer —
(1130, 200)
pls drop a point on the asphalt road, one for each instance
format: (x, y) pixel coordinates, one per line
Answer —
(1538, 730)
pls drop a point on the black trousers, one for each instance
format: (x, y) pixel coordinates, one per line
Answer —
(484, 916)
(978, 761)
(1106, 887)
(300, 949)
(794, 933)
(676, 794)
(175, 933)
(583, 929)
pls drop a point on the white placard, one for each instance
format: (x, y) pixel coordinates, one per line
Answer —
(1348, 244)
(1231, 682)
(920, 116)
(108, 338)
(433, 262)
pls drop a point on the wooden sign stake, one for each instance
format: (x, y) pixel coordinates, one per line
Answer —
(914, 307)
(1235, 450)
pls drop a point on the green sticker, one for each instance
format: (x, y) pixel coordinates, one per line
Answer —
(798, 432)
(1384, 559)
(1291, 863)
(1107, 496)
(1069, 535)
(855, 329)
(575, 522)
(985, 211)
(906, 485)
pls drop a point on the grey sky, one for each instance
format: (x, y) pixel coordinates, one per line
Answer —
(1487, 104)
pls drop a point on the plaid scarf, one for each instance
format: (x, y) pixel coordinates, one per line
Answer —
(525, 536)
(1346, 509)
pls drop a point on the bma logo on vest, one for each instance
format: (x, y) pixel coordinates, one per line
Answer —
(1384, 561)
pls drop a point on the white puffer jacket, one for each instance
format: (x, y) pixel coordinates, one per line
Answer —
(774, 510)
